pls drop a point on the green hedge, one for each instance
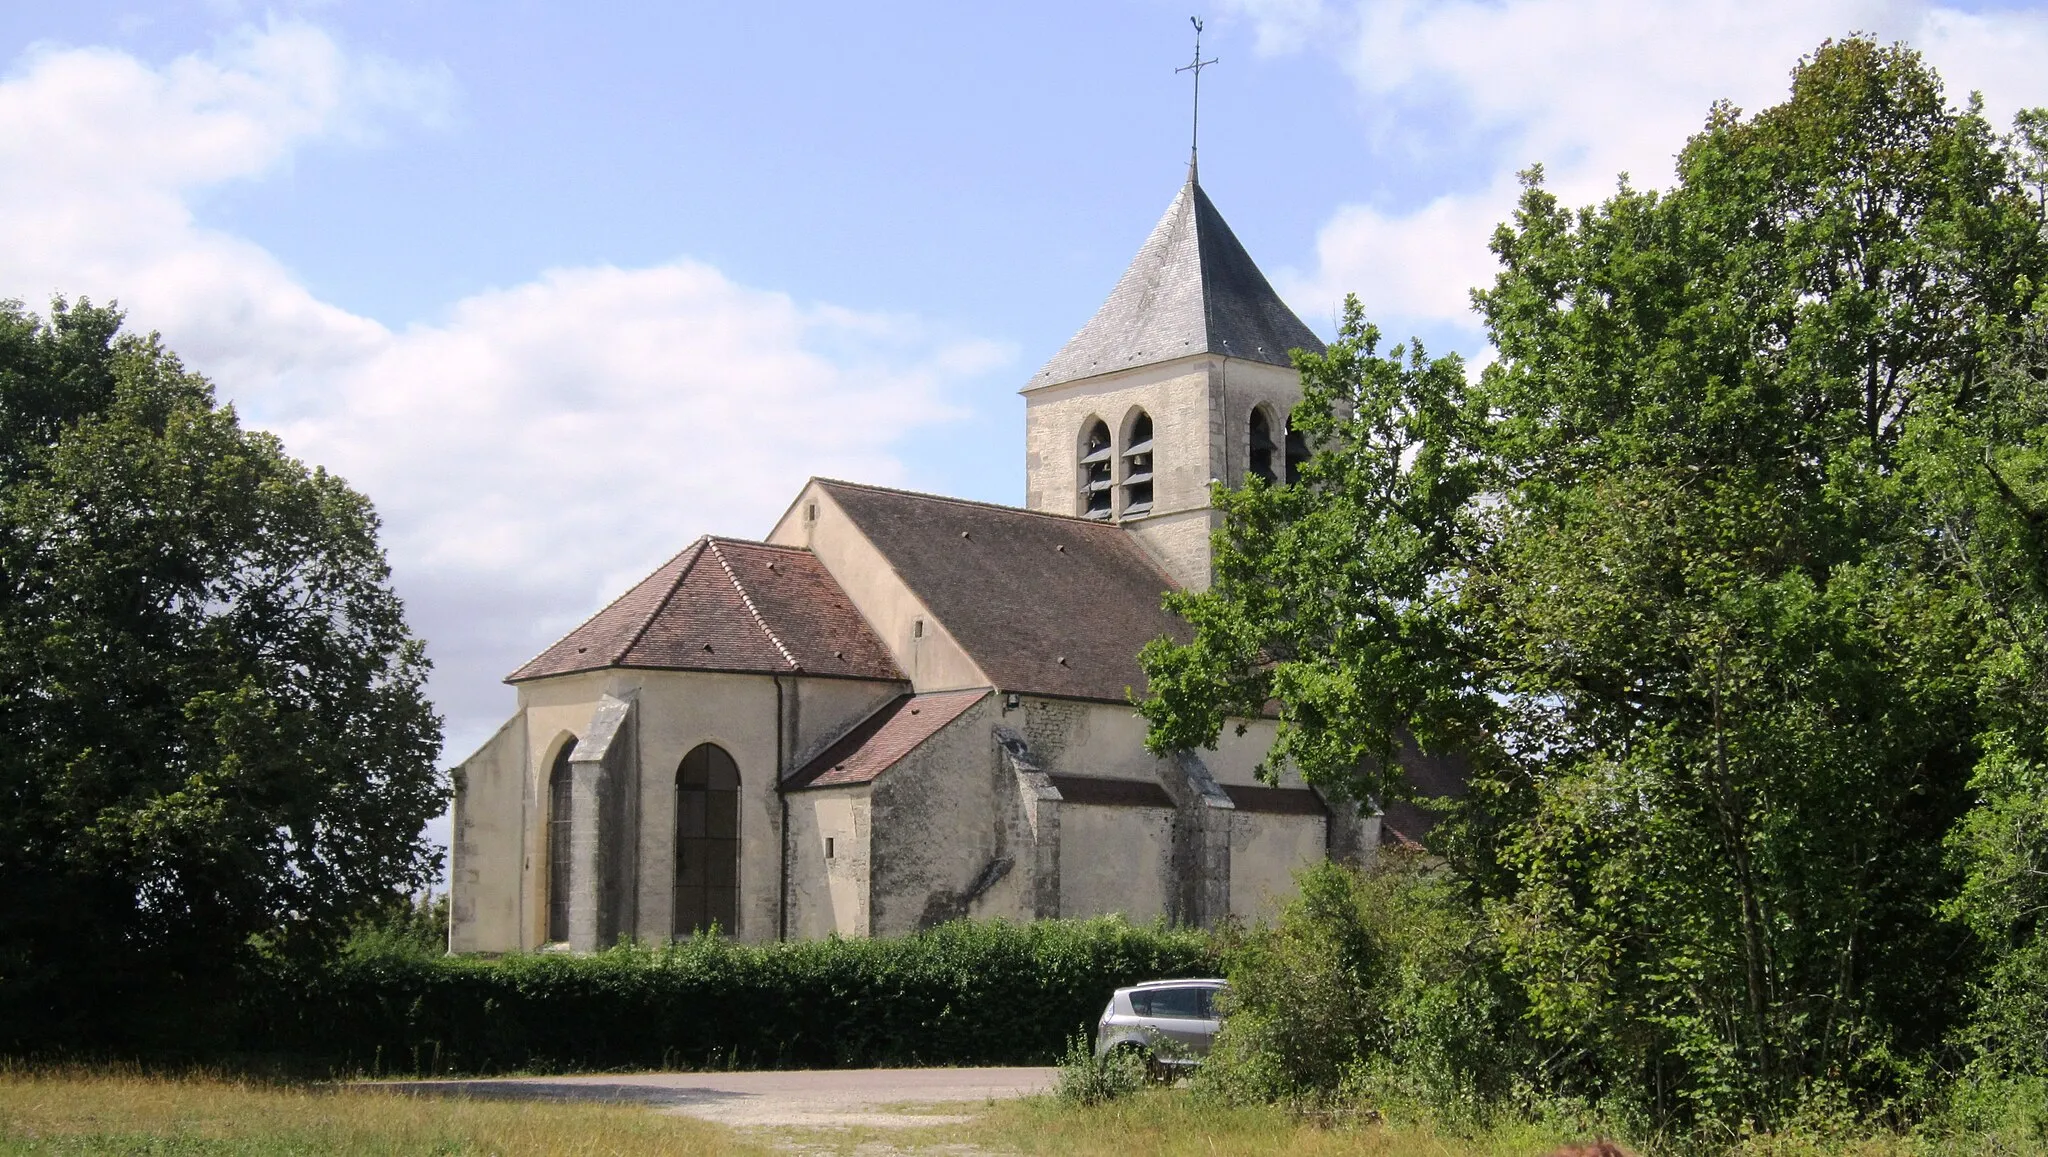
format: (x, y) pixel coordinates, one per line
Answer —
(965, 993)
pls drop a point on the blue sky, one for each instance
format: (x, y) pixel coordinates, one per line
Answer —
(564, 286)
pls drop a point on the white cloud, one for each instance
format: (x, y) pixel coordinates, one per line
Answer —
(534, 449)
(1590, 88)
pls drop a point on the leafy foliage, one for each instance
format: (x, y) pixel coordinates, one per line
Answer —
(215, 720)
(1727, 577)
(1086, 1079)
(1375, 983)
(962, 993)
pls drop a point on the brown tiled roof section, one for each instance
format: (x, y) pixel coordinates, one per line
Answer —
(877, 743)
(1042, 603)
(726, 605)
(1110, 792)
(1285, 801)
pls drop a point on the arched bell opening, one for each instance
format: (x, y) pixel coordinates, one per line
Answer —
(1259, 463)
(1097, 468)
(1137, 465)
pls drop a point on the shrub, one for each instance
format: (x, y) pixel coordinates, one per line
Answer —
(962, 993)
(1086, 1079)
(1376, 984)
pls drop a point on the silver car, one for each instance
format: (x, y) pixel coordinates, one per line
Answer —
(1171, 1022)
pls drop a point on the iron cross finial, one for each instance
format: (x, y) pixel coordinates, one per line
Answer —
(1196, 66)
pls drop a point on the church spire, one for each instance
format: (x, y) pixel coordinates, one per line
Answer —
(1191, 289)
(1196, 67)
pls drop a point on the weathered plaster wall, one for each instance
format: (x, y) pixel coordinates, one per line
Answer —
(675, 711)
(822, 710)
(1265, 852)
(557, 713)
(947, 827)
(1108, 739)
(933, 660)
(829, 895)
(1116, 859)
(485, 849)
(738, 713)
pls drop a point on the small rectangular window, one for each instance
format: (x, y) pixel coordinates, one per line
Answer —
(810, 512)
(917, 629)
(828, 847)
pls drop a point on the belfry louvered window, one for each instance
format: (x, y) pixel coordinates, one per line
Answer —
(1096, 470)
(1137, 459)
(559, 797)
(707, 842)
(1297, 453)
(1262, 447)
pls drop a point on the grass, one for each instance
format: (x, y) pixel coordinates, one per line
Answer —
(1169, 1123)
(100, 1112)
(78, 1111)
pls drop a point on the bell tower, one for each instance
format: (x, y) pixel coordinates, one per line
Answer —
(1181, 378)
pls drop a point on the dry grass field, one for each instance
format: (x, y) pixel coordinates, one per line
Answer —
(72, 1112)
(100, 1112)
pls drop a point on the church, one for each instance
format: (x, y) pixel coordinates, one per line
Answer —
(897, 709)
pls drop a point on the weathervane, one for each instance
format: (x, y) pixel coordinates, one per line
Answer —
(1196, 67)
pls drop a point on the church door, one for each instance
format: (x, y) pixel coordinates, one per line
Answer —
(558, 845)
(707, 842)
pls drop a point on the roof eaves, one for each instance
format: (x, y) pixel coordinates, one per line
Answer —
(601, 663)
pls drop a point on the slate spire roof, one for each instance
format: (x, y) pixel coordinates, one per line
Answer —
(1192, 289)
(726, 604)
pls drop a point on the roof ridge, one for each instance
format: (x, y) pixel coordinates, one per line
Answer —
(964, 501)
(621, 597)
(759, 620)
(785, 547)
(661, 604)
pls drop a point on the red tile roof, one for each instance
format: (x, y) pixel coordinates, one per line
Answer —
(726, 605)
(877, 743)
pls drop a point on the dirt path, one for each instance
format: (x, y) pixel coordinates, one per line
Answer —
(829, 1098)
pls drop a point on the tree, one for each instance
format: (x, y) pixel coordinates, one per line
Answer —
(216, 737)
(1686, 598)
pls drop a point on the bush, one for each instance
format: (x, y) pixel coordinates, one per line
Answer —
(1373, 984)
(963, 993)
(1086, 1079)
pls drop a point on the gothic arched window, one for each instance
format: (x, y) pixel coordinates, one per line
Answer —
(1297, 453)
(1096, 468)
(559, 796)
(1137, 457)
(707, 842)
(1261, 462)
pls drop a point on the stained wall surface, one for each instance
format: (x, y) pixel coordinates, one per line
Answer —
(947, 832)
(485, 847)
(1265, 852)
(1116, 859)
(829, 884)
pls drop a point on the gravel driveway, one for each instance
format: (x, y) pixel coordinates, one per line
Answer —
(818, 1097)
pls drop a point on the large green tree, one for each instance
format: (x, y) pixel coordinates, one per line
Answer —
(215, 737)
(1677, 573)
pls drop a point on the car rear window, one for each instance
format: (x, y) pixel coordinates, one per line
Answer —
(1172, 1003)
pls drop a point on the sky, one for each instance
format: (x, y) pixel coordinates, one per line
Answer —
(563, 287)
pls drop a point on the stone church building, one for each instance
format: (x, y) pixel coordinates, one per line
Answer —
(897, 709)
